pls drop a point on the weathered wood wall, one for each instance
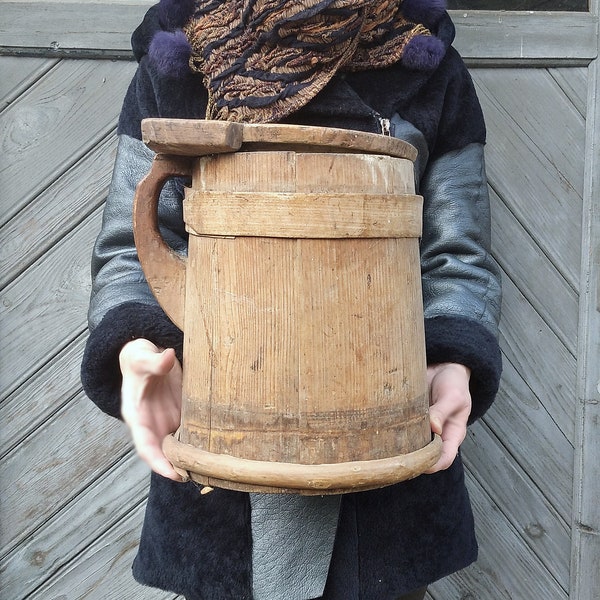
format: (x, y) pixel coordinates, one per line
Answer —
(73, 492)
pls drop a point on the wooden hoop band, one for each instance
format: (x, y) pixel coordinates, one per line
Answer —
(303, 215)
(202, 466)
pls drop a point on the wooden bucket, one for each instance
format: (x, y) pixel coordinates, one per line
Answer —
(300, 302)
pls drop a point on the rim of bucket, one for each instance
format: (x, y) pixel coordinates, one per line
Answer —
(198, 137)
(222, 470)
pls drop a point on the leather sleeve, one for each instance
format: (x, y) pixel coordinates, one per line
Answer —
(461, 280)
(122, 306)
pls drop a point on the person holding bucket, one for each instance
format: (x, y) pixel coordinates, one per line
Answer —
(385, 68)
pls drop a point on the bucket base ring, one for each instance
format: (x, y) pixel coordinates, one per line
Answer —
(231, 472)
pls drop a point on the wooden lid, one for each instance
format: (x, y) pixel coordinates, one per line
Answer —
(198, 137)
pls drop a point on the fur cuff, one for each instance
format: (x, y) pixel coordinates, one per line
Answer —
(100, 371)
(468, 342)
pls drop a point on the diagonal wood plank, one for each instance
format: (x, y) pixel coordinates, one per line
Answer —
(540, 358)
(520, 501)
(46, 307)
(58, 209)
(544, 115)
(104, 569)
(19, 73)
(533, 440)
(534, 275)
(67, 534)
(54, 123)
(519, 459)
(506, 569)
(534, 186)
(55, 464)
(574, 84)
(33, 403)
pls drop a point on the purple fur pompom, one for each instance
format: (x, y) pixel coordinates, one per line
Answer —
(170, 53)
(174, 14)
(423, 53)
(428, 12)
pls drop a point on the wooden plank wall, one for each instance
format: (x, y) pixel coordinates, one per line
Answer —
(72, 490)
(520, 457)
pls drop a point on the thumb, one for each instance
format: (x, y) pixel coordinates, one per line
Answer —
(436, 420)
(149, 360)
(165, 361)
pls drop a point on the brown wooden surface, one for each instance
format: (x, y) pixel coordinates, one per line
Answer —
(191, 137)
(302, 350)
(164, 268)
(286, 215)
(196, 138)
(230, 472)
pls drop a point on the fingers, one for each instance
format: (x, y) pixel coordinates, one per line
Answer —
(450, 409)
(151, 400)
(452, 438)
(149, 449)
(144, 358)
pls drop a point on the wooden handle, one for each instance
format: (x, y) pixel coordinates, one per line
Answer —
(163, 267)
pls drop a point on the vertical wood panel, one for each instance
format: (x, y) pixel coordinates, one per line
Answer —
(586, 515)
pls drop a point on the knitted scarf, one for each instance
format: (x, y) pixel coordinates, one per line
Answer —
(262, 60)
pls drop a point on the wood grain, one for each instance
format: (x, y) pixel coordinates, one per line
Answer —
(303, 215)
(41, 395)
(544, 363)
(56, 211)
(529, 269)
(542, 159)
(70, 531)
(544, 187)
(58, 120)
(586, 508)
(104, 29)
(304, 343)
(56, 464)
(45, 308)
(103, 570)
(518, 498)
(19, 73)
(517, 413)
(505, 563)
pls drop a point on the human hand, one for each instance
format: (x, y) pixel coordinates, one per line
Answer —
(449, 408)
(151, 400)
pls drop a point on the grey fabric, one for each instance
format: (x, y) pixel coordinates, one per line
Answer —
(402, 129)
(292, 542)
